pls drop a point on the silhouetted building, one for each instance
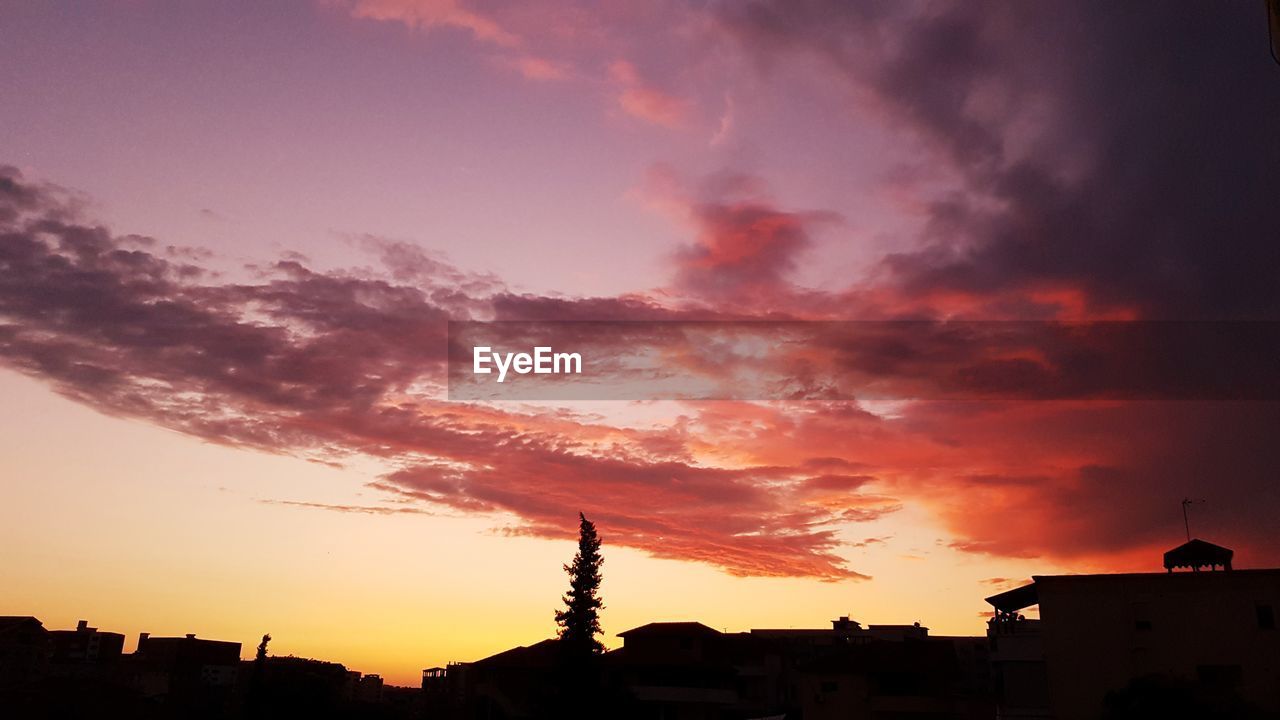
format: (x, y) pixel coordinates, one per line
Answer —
(24, 651)
(83, 649)
(681, 670)
(898, 632)
(186, 672)
(1101, 637)
(516, 683)
(844, 631)
(444, 690)
(369, 689)
(63, 673)
(401, 702)
(82, 673)
(882, 679)
(974, 677)
(689, 671)
(435, 680)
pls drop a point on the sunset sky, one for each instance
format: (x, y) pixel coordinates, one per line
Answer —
(232, 235)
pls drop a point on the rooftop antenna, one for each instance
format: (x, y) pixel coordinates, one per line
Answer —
(1186, 524)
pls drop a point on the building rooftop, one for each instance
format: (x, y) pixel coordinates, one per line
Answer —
(1028, 595)
(1196, 554)
(1015, 599)
(536, 655)
(669, 628)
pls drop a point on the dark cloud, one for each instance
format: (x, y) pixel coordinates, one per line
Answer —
(1082, 480)
(1124, 150)
(743, 254)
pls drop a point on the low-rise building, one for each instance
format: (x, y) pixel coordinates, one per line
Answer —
(1100, 639)
(24, 651)
(84, 647)
(690, 671)
(186, 671)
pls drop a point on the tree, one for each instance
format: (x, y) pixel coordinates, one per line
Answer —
(579, 621)
(254, 700)
(261, 657)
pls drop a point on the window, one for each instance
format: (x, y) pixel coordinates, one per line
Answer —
(1266, 617)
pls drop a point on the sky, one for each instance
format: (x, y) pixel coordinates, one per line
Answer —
(232, 235)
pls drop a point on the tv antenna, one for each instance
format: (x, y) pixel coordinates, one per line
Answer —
(1186, 502)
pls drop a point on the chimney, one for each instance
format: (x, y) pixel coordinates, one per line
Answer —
(82, 625)
(191, 636)
(142, 640)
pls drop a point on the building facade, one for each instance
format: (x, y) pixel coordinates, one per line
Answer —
(1207, 636)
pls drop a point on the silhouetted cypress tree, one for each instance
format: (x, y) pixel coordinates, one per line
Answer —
(579, 621)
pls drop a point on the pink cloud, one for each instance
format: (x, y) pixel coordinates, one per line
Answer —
(539, 69)
(645, 101)
(430, 14)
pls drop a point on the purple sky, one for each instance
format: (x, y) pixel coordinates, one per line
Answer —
(233, 232)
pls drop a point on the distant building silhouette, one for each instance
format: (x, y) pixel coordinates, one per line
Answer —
(691, 671)
(369, 689)
(1101, 636)
(82, 673)
(290, 687)
(77, 650)
(24, 651)
(515, 683)
(187, 672)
